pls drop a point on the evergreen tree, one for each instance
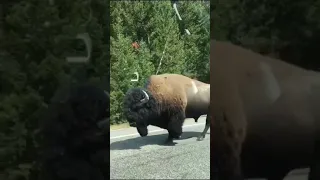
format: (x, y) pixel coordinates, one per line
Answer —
(36, 37)
(282, 29)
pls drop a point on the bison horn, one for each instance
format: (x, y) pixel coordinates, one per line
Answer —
(146, 99)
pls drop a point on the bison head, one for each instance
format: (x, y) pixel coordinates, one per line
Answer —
(139, 107)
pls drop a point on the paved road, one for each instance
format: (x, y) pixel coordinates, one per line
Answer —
(135, 157)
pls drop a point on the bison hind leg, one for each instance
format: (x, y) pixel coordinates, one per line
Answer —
(205, 130)
(203, 134)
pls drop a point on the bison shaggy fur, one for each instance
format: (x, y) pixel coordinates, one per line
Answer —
(76, 135)
(165, 102)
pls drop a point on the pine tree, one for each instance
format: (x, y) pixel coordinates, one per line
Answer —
(36, 37)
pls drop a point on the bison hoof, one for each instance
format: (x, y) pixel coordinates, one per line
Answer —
(200, 138)
(169, 142)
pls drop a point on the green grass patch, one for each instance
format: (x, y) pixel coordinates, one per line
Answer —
(119, 126)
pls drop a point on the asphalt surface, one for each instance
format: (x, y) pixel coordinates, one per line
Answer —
(135, 157)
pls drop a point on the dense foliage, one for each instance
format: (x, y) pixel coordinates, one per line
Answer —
(289, 30)
(161, 36)
(35, 39)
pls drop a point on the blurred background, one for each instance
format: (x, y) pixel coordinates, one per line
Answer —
(36, 37)
(288, 30)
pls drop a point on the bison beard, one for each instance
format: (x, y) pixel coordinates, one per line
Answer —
(141, 115)
(76, 136)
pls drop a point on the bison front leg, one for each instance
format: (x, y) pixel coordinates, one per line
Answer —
(169, 140)
(175, 126)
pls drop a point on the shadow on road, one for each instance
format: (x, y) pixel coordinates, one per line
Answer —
(138, 142)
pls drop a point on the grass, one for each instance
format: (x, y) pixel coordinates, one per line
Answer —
(119, 126)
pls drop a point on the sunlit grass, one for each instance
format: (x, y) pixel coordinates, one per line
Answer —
(119, 126)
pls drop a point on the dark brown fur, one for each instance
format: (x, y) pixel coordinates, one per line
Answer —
(173, 98)
(75, 132)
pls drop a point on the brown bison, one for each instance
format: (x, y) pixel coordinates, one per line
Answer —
(264, 115)
(165, 102)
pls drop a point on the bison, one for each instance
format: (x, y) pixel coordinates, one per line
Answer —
(264, 115)
(165, 102)
(76, 135)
